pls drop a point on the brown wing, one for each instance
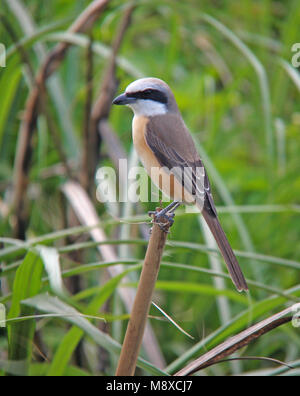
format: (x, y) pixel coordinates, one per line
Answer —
(174, 148)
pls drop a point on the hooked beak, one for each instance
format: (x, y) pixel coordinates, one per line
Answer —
(123, 100)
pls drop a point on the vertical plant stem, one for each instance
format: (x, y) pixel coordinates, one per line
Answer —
(87, 176)
(24, 148)
(101, 108)
(141, 305)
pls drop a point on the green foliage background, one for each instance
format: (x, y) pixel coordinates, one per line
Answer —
(229, 65)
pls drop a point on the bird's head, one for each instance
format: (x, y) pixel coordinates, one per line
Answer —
(148, 97)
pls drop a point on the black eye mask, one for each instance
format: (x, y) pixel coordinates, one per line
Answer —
(151, 94)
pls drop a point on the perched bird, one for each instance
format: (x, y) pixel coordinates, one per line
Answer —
(167, 151)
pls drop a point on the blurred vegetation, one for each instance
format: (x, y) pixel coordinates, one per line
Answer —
(229, 65)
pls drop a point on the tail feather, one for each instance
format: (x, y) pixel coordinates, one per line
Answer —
(226, 250)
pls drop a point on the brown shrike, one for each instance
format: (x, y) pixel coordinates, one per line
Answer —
(167, 151)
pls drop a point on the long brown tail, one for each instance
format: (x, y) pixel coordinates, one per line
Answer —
(225, 248)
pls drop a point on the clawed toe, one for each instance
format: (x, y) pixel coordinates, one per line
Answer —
(152, 213)
(163, 220)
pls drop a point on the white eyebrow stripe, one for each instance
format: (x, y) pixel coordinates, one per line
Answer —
(138, 85)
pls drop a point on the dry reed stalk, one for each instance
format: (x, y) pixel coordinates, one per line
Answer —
(101, 108)
(25, 142)
(87, 215)
(138, 318)
(239, 341)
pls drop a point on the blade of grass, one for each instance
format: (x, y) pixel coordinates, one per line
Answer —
(46, 303)
(128, 209)
(50, 258)
(227, 198)
(219, 283)
(261, 74)
(40, 369)
(237, 342)
(196, 288)
(168, 317)
(234, 326)
(72, 338)
(9, 83)
(27, 284)
(292, 264)
(87, 215)
(97, 47)
(291, 71)
(71, 142)
(176, 266)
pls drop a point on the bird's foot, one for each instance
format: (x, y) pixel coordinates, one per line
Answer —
(162, 219)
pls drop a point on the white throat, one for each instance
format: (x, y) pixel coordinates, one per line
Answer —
(143, 107)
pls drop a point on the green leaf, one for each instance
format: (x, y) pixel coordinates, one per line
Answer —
(40, 370)
(201, 289)
(72, 338)
(27, 284)
(46, 303)
(9, 84)
(238, 323)
(50, 259)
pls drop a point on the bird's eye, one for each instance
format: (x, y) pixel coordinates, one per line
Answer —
(147, 91)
